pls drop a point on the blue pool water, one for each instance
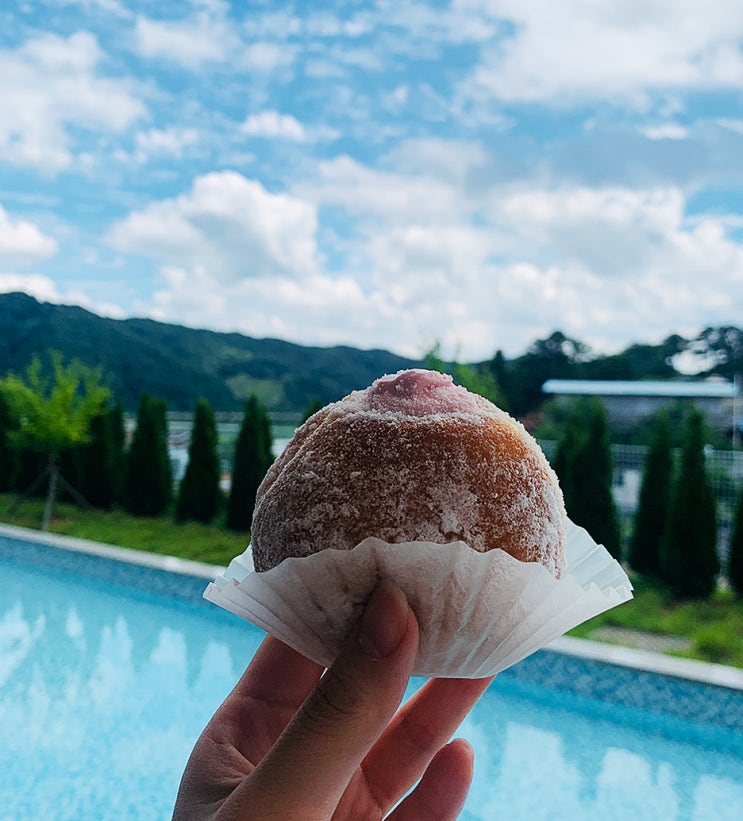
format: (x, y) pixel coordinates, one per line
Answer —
(104, 689)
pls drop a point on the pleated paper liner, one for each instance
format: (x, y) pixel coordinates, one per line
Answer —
(478, 613)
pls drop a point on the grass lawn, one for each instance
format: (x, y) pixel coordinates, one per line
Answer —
(713, 628)
(202, 543)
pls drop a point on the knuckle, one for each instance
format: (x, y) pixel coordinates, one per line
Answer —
(419, 737)
(336, 698)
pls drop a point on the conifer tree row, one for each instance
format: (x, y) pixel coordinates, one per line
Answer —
(95, 468)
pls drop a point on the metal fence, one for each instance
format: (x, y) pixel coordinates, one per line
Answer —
(724, 467)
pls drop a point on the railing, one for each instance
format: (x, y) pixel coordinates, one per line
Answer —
(724, 467)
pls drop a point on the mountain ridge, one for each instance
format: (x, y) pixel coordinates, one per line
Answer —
(182, 364)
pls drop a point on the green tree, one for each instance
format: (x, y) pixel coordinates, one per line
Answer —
(7, 453)
(118, 441)
(655, 496)
(199, 494)
(590, 502)
(735, 561)
(689, 561)
(55, 413)
(98, 463)
(556, 357)
(148, 484)
(252, 459)
(499, 369)
(476, 380)
(565, 456)
(315, 405)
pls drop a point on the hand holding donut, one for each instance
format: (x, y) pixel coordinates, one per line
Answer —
(292, 743)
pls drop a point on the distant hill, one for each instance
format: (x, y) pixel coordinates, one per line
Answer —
(182, 364)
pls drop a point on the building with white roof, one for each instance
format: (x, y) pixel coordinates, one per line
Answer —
(628, 403)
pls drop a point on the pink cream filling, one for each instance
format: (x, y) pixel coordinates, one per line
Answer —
(419, 393)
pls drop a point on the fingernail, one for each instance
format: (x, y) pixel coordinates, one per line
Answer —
(385, 621)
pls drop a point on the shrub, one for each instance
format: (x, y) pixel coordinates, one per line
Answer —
(7, 452)
(252, 459)
(199, 493)
(148, 483)
(735, 564)
(97, 464)
(716, 642)
(655, 493)
(689, 562)
(588, 468)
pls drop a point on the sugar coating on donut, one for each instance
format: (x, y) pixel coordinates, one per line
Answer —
(413, 457)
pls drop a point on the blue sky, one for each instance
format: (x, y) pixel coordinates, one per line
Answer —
(381, 174)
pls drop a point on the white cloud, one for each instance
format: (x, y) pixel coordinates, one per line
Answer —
(22, 243)
(666, 131)
(364, 190)
(320, 305)
(731, 124)
(45, 289)
(485, 266)
(169, 142)
(191, 42)
(208, 36)
(113, 7)
(56, 86)
(41, 287)
(230, 226)
(271, 124)
(578, 50)
(266, 57)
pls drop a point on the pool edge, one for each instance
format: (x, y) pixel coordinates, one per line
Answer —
(718, 675)
(172, 564)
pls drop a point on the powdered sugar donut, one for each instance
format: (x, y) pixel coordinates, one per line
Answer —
(411, 458)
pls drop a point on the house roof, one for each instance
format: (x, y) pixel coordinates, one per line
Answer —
(683, 390)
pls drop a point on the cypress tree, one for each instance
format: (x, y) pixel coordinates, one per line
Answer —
(7, 452)
(563, 460)
(118, 448)
(590, 472)
(96, 464)
(315, 405)
(655, 494)
(735, 561)
(689, 561)
(499, 370)
(148, 477)
(199, 493)
(252, 459)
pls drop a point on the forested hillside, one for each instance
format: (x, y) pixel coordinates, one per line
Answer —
(182, 364)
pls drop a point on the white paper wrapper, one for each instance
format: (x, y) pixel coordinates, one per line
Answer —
(478, 613)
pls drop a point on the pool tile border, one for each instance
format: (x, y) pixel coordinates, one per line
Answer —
(708, 694)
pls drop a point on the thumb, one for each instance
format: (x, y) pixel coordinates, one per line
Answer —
(313, 761)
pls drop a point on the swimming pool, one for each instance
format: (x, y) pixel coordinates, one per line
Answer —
(109, 671)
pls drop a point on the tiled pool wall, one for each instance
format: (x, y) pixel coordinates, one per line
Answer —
(649, 692)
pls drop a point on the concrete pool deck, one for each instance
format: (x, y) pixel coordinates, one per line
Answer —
(641, 660)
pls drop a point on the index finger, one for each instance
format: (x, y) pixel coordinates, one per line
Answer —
(315, 758)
